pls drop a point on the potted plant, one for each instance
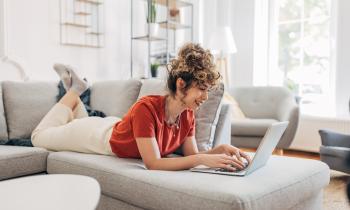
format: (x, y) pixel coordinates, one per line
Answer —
(152, 26)
(154, 69)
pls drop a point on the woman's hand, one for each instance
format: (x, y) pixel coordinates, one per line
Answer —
(232, 151)
(220, 161)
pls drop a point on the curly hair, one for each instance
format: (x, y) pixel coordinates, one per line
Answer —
(193, 64)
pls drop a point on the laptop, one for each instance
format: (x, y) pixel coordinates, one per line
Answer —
(259, 159)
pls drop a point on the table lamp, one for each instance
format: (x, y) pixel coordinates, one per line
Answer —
(222, 44)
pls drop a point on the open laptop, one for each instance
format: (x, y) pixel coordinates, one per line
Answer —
(262, 155)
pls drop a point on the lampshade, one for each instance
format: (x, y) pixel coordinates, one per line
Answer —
(222, 41)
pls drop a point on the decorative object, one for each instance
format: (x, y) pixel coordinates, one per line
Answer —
(82, 23)
(174, 15)
(154, 69)
(222, 44)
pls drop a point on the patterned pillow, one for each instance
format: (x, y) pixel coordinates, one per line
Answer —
(207, 117)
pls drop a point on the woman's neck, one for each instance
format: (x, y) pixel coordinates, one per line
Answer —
(173, 108)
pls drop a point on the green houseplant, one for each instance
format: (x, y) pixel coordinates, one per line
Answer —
(154, 69)
(152, 27)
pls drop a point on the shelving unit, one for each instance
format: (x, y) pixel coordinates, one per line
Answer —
(81, 23)
(166, 26)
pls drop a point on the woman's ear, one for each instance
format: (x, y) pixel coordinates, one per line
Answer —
(180, 83)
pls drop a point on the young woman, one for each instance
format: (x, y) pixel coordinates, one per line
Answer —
(154, 126)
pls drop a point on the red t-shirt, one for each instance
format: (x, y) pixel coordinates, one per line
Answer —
(146, 118)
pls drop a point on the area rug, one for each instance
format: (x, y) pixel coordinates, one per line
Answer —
(334, 196)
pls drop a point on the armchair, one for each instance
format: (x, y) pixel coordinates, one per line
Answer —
(263, 106)
(335, 150)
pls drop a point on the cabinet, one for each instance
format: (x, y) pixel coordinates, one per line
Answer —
(159, 31)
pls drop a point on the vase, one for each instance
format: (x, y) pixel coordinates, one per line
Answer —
(153, 29)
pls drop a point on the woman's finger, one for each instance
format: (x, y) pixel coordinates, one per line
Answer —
(238, 155)
(237, 164)
(227, 167)
(246, 156)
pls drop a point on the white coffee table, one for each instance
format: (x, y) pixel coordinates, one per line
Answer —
(53, 191)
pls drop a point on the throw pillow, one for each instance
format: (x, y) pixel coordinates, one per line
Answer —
(3, 126)
(26, 103)
(207, 117)
(234, 106)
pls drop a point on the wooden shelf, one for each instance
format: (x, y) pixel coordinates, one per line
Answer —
(146, 38)
(90, 2)
(83, 13)
(81, 45)
(173, 25)
(76, 25)
(173, 3)
(95, 33)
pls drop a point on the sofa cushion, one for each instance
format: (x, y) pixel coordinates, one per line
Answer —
(250, 127)
(206, 116)
(18, 161)
(3, 126)
(281, 184)
(26, 103)
(114, 98)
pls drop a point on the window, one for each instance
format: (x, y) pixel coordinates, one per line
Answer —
(303, 52)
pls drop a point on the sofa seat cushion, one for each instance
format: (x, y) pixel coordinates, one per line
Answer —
(340, 152)
(281, 184)
(250, 127)
(18, 161)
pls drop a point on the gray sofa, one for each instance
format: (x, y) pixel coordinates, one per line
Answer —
(284, 183)
(263, 106)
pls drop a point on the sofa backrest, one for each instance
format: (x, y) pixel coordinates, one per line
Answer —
(114, 98)
(25, 104)
(3, 126)
(260, 102)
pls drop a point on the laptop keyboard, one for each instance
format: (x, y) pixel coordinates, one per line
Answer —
(225, 170)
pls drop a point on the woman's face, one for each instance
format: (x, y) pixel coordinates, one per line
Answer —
(197, 94)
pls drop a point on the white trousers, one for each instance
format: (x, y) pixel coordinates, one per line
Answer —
(65, 130)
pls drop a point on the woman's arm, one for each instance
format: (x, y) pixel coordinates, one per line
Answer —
(150, 154)
(190, 148)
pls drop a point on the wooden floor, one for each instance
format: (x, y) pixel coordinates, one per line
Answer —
(292, 153)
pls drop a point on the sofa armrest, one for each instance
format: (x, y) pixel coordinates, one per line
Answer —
(223, 128)
(288, 111)
(335, 139)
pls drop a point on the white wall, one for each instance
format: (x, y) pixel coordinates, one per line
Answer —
(33, 38)
(342, 75)
(242, 24)
(2, 29)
